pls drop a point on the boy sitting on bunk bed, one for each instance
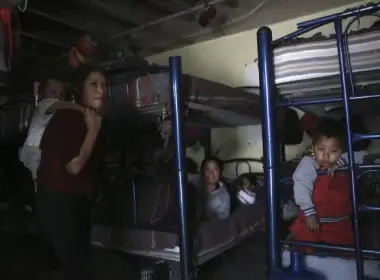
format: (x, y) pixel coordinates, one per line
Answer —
(325, 200)
(52, 94)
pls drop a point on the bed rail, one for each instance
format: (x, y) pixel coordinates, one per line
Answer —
(266, 46)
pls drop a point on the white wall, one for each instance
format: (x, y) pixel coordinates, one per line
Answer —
(223, 60)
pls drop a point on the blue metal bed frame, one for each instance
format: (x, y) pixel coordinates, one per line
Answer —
(271, 154)
(271, 147)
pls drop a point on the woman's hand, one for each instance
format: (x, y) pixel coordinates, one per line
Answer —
(93, 120)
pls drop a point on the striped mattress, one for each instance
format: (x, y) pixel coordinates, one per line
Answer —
(311, 63)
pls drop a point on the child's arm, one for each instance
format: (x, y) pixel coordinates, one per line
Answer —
(304, 178)
(61, 105)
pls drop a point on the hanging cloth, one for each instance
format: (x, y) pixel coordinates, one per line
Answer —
(5, 19)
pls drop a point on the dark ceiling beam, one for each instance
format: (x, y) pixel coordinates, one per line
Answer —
(134, 12)
(61, 38)
(174, 7)
(44, 39)
(34, 55)
(169, 5)
(58, 19)
(193, 9)
(92, 22)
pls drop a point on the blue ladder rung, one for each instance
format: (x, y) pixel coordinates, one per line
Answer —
(367, 208)
(314, 101)
(288, 180)
(358, 137)
(367, 166)
(327, 246)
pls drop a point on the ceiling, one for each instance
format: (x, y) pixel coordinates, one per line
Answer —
(48, 28)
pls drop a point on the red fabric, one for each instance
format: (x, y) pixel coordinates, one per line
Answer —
(86, 46)
(331, 198)
(61, 142)
(74, 61)
(192, 133)
(5, 19)
(82, 52)
(309, 123)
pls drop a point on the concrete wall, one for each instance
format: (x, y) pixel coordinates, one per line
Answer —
(224, 60)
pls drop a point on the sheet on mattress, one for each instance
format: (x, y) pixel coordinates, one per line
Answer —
(210, 235)
(318, 58)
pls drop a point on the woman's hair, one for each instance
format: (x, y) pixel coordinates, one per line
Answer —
(215, 159)
(331, 128)
(81, 74)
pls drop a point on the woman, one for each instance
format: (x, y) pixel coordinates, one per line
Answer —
(70, 157)
(217, 201)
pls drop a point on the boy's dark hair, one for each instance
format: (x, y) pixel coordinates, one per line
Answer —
(43, 84)
(331, 128)
(53, 74)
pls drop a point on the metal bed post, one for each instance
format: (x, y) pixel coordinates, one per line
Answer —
(343, 82)
(208, 146)
(179, 147)
(267, 95)
(270, 144)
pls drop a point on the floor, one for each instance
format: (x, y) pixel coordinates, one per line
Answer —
(23, 257)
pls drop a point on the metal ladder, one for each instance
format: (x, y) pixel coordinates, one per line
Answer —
(268, 105)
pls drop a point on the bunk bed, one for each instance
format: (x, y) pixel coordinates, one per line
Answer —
(320, 73)
(161, 241)
(207, 104)
(135, 221)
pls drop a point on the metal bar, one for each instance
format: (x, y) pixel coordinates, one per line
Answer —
(162, 20)
(358, 137)
(342, 68)
(365, 9)
(46, 40)
(366, 208)
(326, 246)
(208, 146)
(369, 167)
(180, 153)
(232, 160)
(372, 167)
(299, 103)
(294, 34)
(270, 146)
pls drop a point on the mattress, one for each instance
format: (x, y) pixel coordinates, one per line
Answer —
(312, 60)
(209, 103)
(212, 238)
